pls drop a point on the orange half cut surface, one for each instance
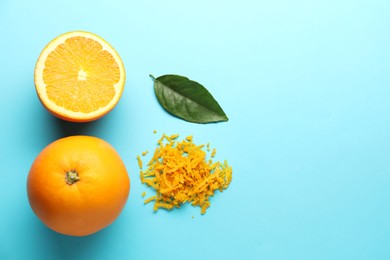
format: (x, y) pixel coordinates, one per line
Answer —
(79, 77)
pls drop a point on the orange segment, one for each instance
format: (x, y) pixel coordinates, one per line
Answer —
(79, 77)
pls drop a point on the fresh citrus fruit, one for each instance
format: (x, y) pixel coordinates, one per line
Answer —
(79, 77)
(78, 185)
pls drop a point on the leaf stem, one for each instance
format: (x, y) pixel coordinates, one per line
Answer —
(150, 75)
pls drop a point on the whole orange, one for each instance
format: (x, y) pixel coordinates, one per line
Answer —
(78, 185)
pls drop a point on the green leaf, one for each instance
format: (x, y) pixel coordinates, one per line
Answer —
(187, 99)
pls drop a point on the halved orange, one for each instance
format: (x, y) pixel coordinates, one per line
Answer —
(79, 77)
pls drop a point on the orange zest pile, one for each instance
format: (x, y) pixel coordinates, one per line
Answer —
(180, 173)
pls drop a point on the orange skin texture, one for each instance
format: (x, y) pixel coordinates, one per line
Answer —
(91, 203)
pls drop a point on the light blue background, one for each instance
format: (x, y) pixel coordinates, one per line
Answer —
(306, 85)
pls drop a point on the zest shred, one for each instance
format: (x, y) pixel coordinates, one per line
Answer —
(180, 173)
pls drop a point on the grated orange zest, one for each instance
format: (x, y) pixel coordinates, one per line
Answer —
(180, 173)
